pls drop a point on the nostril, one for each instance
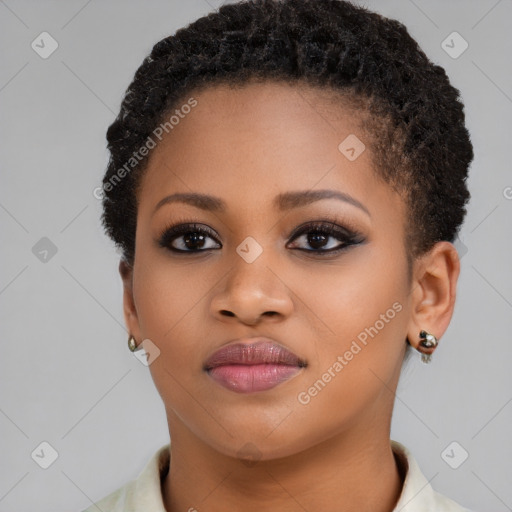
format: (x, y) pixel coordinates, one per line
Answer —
(227, 313)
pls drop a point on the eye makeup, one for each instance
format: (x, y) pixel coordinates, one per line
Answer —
(185, 236)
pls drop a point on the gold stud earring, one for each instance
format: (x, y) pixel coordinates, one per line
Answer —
(427, 345)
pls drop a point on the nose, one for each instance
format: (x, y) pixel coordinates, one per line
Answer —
(252, 292)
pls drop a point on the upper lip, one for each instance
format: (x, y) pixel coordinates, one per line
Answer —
(253, 351)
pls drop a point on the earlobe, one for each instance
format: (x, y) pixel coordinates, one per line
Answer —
(129, 309)
(433, 297)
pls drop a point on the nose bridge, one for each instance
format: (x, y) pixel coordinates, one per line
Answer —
(249, 270)
(252, 286)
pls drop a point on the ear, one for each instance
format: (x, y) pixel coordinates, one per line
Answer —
(130, 312)
(433, 290)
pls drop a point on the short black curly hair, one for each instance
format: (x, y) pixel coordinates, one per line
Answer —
(411, 114)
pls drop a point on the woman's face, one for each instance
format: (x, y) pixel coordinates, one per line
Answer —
(344, 313)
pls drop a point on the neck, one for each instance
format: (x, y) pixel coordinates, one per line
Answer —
(355, 470)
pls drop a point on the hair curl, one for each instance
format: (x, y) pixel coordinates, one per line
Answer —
(410, 112)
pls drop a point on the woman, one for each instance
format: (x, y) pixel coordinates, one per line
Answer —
(285, 184)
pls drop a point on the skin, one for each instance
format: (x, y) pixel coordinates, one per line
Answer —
(245, 146)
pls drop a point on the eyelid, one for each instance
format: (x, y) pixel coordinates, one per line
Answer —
(332, 225)
(187, 223)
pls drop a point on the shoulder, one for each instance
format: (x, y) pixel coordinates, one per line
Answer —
(417, 493)
(142, 493)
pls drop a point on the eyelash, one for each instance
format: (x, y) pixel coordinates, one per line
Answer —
(347, 237)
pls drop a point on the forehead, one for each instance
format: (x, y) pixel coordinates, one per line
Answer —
(267, 106)
(257, 140)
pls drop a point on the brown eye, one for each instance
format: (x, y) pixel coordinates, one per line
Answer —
(188, 238)
(324, 237)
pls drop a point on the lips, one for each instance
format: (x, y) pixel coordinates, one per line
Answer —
(259, 351)
(250, 365)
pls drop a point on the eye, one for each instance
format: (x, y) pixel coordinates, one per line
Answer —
(317, 235)
(191, 238)
(323, 237)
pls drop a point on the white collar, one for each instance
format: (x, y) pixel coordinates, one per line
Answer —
(145, 492)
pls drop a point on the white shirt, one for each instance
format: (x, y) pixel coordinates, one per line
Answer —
(144, 494)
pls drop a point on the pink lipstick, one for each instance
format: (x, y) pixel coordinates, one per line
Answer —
(252, 365)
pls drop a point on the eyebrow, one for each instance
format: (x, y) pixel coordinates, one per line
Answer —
(283, 202)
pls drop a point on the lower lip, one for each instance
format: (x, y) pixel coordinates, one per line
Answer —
(244, 378)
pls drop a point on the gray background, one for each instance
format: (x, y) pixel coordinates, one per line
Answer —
(67, 375)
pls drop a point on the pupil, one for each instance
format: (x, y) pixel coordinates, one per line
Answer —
(194, 238)
(316, 240)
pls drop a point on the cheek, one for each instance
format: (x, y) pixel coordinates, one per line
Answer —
(171, 307)
(166, 293)
(365, 308)
(350, 296)
(363, 303)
